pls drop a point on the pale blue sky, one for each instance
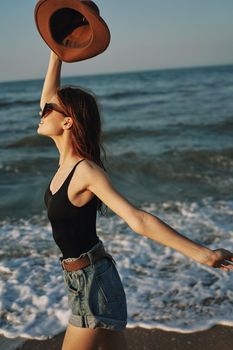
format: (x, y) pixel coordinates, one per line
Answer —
(149, 34)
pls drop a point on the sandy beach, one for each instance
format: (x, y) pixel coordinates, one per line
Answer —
(215, 338)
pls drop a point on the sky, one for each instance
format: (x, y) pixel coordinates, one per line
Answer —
(146, 34)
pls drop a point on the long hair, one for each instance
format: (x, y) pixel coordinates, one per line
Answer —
(86, 131)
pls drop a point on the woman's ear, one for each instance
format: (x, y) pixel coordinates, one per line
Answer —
(68, 123)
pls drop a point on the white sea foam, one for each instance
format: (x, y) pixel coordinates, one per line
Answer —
(164, 288)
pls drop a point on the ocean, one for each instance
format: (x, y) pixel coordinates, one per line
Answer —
(168, 139)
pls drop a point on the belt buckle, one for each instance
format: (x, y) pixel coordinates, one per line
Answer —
(62, 264)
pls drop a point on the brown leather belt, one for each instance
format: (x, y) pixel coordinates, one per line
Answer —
(85, 261)
(76, 264)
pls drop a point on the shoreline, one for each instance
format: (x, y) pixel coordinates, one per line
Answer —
(215, 338)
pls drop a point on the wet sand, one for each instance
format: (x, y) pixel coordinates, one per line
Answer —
(215, 338)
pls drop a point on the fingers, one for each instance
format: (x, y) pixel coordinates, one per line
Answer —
(227, 265)
(223, 268)
(228, 261)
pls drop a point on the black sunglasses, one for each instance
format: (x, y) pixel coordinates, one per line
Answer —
(48, 108)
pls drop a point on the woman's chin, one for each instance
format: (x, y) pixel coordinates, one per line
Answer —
(39, 131)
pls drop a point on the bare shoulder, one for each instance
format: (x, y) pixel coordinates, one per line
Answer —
(88, 168)
(96, 180)
(88, 172)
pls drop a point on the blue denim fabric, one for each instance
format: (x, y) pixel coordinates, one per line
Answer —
(96, 295)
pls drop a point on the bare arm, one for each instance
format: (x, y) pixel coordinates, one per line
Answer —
(52, 79)
(147, 224)
(153, 227)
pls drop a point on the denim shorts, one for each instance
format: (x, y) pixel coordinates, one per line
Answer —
(96, 295)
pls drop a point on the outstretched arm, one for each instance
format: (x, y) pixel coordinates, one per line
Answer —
(52, 79)
(146, 224)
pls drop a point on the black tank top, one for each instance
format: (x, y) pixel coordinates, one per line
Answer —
(74, 228)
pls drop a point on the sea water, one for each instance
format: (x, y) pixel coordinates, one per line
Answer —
(168, 138)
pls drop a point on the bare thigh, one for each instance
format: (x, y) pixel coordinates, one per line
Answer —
(77, 338)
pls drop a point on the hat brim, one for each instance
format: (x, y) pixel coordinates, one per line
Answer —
(95, 33)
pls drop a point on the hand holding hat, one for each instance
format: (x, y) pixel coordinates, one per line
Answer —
(73, 29)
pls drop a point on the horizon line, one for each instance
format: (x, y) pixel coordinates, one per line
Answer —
(123, 72)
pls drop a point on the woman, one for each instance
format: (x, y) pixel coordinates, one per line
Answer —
(78, 189)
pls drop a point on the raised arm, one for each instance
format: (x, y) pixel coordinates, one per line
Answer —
(52, 79)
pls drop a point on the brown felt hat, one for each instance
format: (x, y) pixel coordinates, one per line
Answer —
(73, 29)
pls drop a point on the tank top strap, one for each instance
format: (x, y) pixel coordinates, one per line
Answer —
(78, 163)
(65, 184)
(73, 169)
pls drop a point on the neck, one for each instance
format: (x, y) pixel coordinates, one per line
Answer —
(67, 155)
